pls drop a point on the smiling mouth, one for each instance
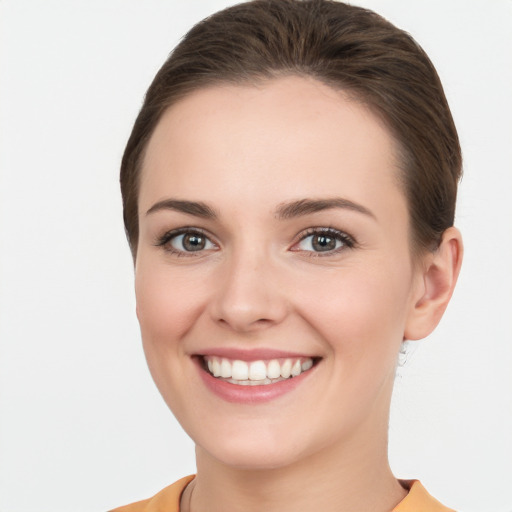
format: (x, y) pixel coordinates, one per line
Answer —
(257, 373)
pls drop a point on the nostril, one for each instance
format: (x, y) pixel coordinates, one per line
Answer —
(263, 321)
(245, 323)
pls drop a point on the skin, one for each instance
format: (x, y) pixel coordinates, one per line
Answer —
(245, 151)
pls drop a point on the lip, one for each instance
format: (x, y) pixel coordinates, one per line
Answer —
(256, 354)
(250, 394)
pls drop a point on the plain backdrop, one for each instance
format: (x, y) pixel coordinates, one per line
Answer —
(82, 427)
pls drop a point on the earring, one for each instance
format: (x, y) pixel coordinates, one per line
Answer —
(403, 353)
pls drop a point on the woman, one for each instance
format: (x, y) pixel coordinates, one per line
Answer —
(289, 193)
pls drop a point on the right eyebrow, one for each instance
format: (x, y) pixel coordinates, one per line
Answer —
(196, 208)
(308, 206)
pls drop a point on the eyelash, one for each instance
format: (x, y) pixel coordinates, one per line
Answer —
(347, 241)
(165, 240)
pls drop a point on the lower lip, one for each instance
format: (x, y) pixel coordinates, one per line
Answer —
(250, 394)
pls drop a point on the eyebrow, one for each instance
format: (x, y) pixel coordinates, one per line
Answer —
(307, 206)
(196, 208)
(284, 211)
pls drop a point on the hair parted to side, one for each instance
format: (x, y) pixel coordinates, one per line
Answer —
(346, 47)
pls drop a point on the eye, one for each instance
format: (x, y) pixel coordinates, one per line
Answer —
(324, 240)
(184, 241)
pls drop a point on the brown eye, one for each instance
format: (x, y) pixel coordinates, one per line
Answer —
(189, 241)
(323, 243)
(324, 240)
(193, 242)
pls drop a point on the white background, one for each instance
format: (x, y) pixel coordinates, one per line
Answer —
(82, 427)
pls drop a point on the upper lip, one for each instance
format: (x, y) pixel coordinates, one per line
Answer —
(254, 354)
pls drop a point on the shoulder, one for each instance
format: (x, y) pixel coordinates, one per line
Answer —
(419, 500)
(167, 499)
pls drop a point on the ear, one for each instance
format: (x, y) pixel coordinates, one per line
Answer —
(436, 282)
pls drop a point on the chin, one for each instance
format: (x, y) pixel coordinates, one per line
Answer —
(257, 452)
(253, 458)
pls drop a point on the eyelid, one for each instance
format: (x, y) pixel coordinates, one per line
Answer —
(165, 239)
(348, 241)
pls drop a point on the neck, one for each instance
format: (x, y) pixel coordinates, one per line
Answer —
(336, 479)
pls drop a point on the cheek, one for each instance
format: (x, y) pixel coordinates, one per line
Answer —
(361, 314)
(167, 303)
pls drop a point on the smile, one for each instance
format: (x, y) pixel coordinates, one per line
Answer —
(256, 373)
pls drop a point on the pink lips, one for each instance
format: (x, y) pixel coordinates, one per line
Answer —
(253, 354)
(249, 394)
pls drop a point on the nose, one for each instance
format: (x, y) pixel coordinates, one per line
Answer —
(249, 296)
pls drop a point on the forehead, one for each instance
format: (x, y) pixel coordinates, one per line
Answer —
(284, 138)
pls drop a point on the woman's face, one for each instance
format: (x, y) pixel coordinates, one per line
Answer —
(274, 236)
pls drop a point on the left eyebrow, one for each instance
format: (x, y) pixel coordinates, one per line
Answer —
(307, 206)
(196, 208)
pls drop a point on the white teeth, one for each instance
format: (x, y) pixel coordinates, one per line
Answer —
(296, 368)
(273, 369)
(307, 364)
(251, 382)
(286, 369)
(225, 369)
(239, 370)
(216, 368)
(257, 372)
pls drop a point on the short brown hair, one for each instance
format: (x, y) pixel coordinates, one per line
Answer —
(346, 47)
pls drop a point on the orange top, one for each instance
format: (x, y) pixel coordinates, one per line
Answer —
(168, 500)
